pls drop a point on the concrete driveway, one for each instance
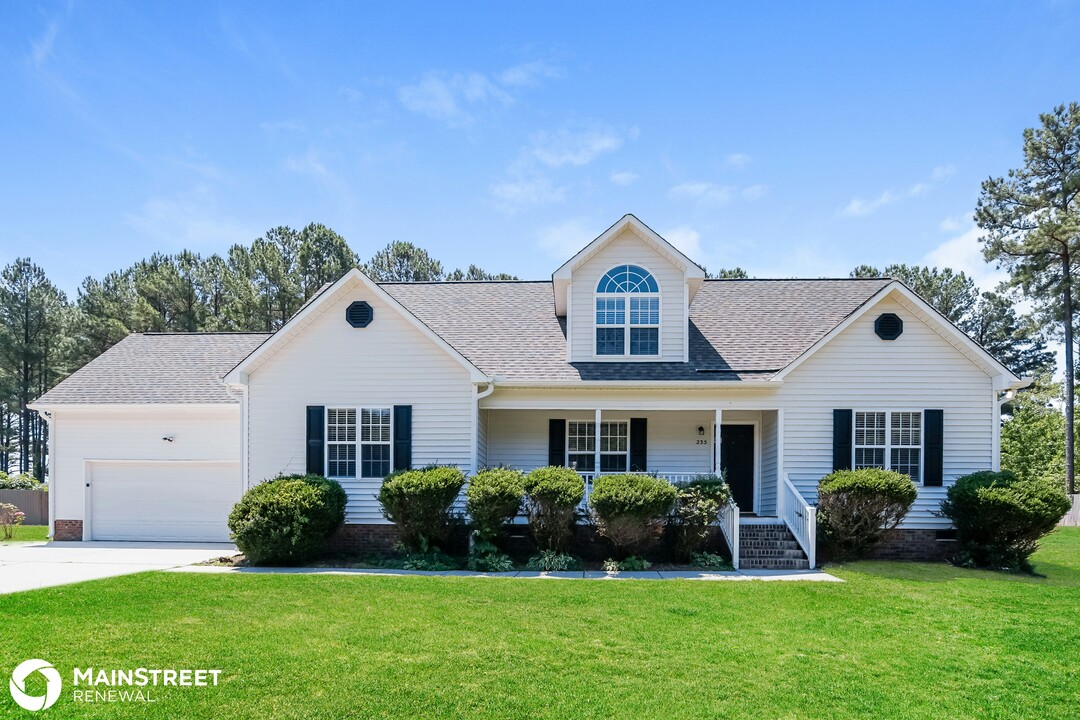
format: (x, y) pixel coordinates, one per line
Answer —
(27, 566)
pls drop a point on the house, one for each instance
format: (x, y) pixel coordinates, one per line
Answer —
(628, 359)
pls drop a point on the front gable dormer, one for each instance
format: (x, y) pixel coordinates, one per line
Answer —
(626, 297)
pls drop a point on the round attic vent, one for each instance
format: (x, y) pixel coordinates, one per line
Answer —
(888, 326)
(359, 314)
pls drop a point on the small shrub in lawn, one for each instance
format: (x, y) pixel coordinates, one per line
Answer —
(493, 498)
(11, 517)
(857, 507)
(21, 482)
(420, 503)
(696, 508)
(1000, 518)
(553, 561)
(552, 495)
(288, 519)
(630, 564)
(630, 510)
(431, 561)
(710, 561)
(489, 562)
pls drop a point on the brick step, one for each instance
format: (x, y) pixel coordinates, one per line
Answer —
(759, 554)
(754, 543)
(774, 564)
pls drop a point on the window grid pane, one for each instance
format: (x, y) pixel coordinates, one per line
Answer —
(610, 341)
(906, 461)
(374, 461)
(644, 341)
(906, 429)
(613, 437)
(610, 311)
(582, 437)
(644, 311)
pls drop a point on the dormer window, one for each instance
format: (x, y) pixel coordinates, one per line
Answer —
(627, 313)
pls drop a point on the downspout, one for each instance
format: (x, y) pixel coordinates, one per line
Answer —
(476, 423)
(50, 468)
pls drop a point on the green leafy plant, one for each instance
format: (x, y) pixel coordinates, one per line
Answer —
(630, 510)
(21, 482)
(999, 518)
(552, 495)
(420, 503)
(697, 507)
(553, 561)
(710, 561)
(490, 562)
(431, 561)
(856, 508)
(287, 519)
(492, 500)
(630, 564)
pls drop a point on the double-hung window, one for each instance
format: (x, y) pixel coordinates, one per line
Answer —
(628, 312)
(358, 439)
(889, 440)
(581, 439)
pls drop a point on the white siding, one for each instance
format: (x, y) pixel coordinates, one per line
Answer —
(917, 371)
(481, 439)
(767, 502)
(627, 248)
(135, 433)
(519, 438)
(330, 363)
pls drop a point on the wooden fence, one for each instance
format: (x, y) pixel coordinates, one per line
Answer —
(32, 502)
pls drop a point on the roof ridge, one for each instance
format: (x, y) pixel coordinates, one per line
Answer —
(201, 333)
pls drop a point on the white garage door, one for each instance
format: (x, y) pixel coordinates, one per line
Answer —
(178, 501)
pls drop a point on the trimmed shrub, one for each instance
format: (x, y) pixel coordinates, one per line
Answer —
(629, 510)
(420, 503)
(288, 519)
(24, 481)
(1000, 518)
(697, 507)
(493, 498)
(857, 507)
(552, 495)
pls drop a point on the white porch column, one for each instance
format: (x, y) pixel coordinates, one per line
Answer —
(780, 471)
(596, 441)
(716, 441)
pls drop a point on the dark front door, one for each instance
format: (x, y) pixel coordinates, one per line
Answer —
(737, 462)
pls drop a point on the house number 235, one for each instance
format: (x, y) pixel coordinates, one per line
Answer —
(702, 441)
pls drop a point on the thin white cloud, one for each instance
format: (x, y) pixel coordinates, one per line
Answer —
(42, 48)
(754, 192)
(686, 239)
(963, 252)
(189, 220)
(451, 98)
(623, 178)
(563, 240)
(569, 147)
(953, 223)
(739, 160)
(309, 164)
(703, 191)
(862, 207)
(521, 193)
(529, 74)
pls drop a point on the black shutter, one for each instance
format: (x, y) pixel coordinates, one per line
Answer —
(841, 440)
(934, 443)
(402, 437)
(556, 442)
(639, 445)
(316, 435)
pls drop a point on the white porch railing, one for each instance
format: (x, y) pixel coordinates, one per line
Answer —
(800, 517)
(729, 525)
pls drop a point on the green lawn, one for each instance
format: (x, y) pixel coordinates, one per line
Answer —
(28, 533)
(895, 641)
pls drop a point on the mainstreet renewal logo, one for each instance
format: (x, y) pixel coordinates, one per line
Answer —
(93, 686)
(34, 703)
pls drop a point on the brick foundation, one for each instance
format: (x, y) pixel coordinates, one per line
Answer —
(916, 545)
(67, 530)
(364, 539)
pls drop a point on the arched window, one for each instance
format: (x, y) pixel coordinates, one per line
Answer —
(627, 312)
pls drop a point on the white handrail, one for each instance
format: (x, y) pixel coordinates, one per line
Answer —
(800, 517)
(729, 525)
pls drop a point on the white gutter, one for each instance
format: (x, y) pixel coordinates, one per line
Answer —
(476, 423)
(656, 385)
(50, 467)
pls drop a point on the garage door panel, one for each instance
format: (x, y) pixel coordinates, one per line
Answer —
(177, 501)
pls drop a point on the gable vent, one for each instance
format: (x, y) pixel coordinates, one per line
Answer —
(888, 326)
(359, 314)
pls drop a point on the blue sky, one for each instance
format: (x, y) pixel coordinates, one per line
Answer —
(788, 138)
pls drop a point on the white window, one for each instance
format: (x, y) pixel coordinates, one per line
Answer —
(889, 440)
(614, 446)
(342, 441)
(628, 312)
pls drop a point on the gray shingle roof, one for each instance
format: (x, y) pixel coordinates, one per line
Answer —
(739, 329)
(159, 368)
